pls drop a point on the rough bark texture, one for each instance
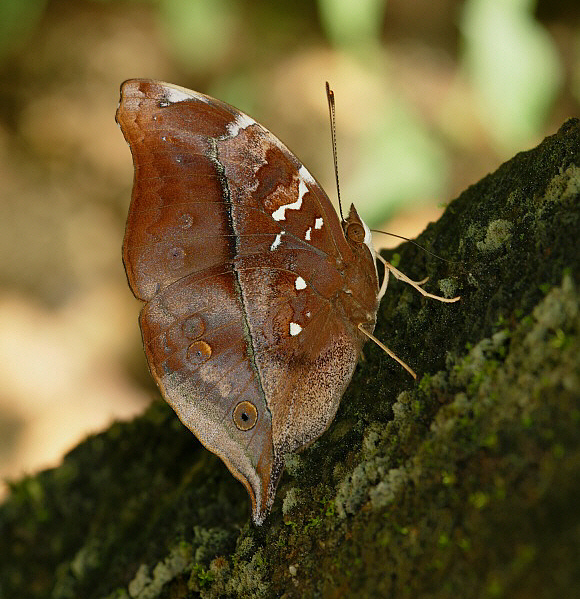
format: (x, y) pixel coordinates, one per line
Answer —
(464, 484)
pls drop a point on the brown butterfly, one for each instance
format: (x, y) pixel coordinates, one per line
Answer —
(258, 299)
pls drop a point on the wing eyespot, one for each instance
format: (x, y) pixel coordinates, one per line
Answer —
(176, 253)
(193, 327)
(185, 220)
(198, 353)
(245, 416)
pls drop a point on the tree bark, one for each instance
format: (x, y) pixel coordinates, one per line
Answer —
(465, 483)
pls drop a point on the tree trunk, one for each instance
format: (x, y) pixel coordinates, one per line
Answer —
(464, 484)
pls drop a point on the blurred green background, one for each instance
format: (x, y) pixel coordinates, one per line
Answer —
(430, 97)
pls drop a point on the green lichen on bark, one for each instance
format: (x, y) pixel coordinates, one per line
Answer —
(465, 483)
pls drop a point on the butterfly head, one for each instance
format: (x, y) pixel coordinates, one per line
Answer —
(361, 284)
(356, 231)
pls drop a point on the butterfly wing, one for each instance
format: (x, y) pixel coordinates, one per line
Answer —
(194, 338)
(228, 227)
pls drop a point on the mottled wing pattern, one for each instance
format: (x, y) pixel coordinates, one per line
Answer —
(177, 210)
(304, 349)
(240, 255)
(193, 333)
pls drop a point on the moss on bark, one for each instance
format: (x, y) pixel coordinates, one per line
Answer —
(464, 484)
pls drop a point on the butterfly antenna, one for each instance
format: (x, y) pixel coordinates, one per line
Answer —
(331, 112)
(416, 244)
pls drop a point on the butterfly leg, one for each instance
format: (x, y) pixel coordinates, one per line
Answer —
(387, 350)
(384, 283)
(422, 281)
(415, 284)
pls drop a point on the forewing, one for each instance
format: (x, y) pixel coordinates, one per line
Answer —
(177, 207)
(203, 168)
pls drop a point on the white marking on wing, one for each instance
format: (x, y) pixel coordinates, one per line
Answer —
(307, 236)
(241, 122)
(277, 241)
(300, 283)
(295, 328)
(280, 213)
(318, 223)
(174, 94)
(302, 189)
(303, 172)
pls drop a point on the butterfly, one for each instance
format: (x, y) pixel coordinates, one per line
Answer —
(258, 298)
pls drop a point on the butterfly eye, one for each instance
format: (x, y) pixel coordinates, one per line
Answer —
(245, 415)
(355, 232)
